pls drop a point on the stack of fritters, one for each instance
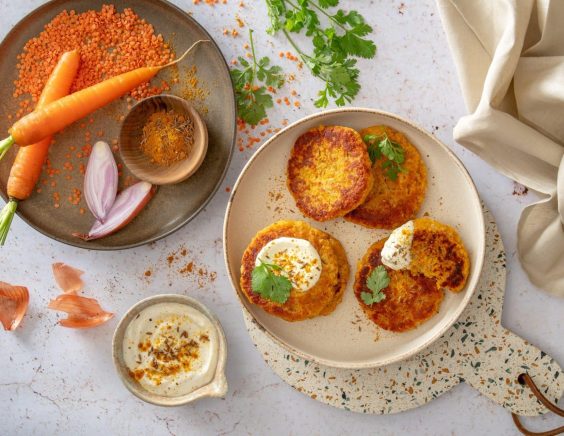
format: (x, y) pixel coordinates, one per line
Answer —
(324, 296)
(392, 202)
(439, 260)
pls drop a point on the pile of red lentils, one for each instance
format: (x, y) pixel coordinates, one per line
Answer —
(109, 42)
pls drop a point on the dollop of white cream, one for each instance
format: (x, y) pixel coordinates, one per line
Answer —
(396, 253)
(298, 259)
(171, 349)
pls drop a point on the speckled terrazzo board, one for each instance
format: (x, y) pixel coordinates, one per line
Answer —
(477, 349)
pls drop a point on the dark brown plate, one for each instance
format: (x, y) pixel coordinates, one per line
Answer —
(174, 205)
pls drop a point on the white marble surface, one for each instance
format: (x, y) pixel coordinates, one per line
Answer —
(59, 381)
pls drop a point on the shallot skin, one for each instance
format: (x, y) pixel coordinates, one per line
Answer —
(82, 312)
(67, 277)
(101, 181)
(13, 305)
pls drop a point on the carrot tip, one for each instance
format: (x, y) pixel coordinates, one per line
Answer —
(6, 217)
(5, 145)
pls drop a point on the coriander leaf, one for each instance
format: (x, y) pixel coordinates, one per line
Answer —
(356, 46)
(328, 3)
(253, 100)
(335, 42)
(276, 10)
(259, 276)
(252, 104)
(281, 288)
(382, 145)
(340, 77)
(378, 279)
(273, 287)
(376, 282)
(273, 76)
(362, 29)
(374, 153)
(263, 62)
(352, 18)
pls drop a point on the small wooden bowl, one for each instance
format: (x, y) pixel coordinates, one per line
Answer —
(130, 139)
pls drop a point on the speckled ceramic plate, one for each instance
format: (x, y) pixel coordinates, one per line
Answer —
(346, 338)
(173, 206)
(476, 350)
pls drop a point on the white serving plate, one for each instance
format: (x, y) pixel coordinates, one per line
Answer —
(346, 338)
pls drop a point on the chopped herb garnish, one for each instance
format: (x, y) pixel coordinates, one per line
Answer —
(377, 280)
(270, 285)
(382, 145)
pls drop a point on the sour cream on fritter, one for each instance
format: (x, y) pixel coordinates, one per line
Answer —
(396, 253)
(298, 258)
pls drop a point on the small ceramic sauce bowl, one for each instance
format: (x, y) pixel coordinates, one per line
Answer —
(131, 133)
(217, 387)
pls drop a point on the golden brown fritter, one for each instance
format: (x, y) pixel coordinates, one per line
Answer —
(324, 296)
(410, 299)
(393, 202)
(438, 252)
(329, 172)
(344, 270)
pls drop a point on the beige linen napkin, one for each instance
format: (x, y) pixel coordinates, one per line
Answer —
(509, 56)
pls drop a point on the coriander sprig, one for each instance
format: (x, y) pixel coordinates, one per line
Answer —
(334, 46)
(268, 284)
(252, 99)
(376, 282)
(382, 145)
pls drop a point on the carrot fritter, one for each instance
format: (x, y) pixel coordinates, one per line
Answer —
(410, 299)
(329, 172)
(438, 252)
(393, 202)
(324, 296)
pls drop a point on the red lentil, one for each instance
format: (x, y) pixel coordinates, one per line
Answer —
(110, 43)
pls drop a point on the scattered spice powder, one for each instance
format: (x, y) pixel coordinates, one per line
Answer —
(167, 137)
(199, 274)
(192, 89)
(170, 354)
(188, 268)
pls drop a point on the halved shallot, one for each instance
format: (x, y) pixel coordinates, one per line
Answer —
(67, 277)
(82, 312)
(101, 181)
(13, 305)
(128, 204)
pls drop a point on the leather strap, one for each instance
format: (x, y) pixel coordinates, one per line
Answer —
(525, 379)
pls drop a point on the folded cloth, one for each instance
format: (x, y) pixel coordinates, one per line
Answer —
(509, 55)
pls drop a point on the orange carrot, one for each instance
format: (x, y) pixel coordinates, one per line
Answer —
(26, 168)
(57, 115)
